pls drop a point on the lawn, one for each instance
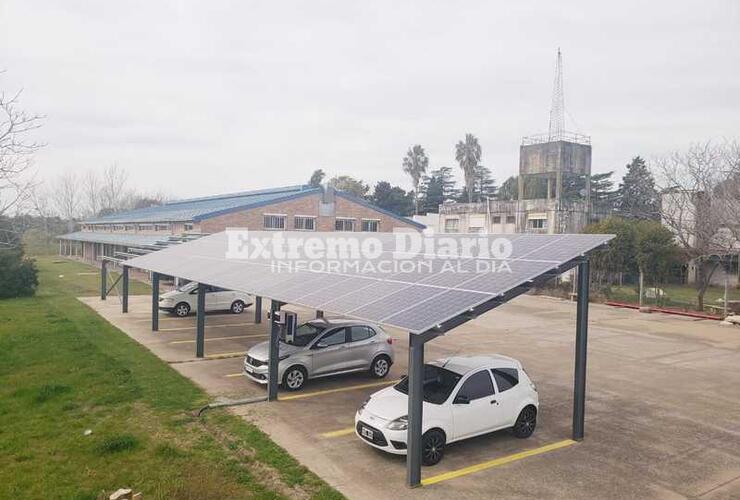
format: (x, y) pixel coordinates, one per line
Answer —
(679, 296)
(85, 410)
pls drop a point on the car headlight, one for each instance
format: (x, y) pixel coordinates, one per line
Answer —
(399, 424)
(284, 356)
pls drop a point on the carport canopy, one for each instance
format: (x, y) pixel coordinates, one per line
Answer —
(424, 284)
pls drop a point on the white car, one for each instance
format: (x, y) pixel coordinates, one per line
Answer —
(185, 299)
(464, 397)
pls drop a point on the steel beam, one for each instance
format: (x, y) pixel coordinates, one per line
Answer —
(124, 289)
(273, 361)
(257, 310)
(200, 329)
(103, 280)
(579, 385)
(415, 409)
(155, 301)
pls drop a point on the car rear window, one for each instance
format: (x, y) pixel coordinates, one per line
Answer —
(506, 378)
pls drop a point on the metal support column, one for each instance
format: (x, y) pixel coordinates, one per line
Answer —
(124, 289)
(257, 310)
(273, 361)
(200, 329)
(579, 385)
(415, 410)
(319, 314)
(155, 301)
(103, 279)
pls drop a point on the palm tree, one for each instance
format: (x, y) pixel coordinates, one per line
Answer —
(468, 155)
(415, 164)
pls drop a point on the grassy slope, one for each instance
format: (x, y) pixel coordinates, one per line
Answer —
(63, 370)
(676, 295)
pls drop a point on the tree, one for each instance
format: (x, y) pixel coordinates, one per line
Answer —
(317, 177)
(701, 207)
(415, 164)
(16, 151)
(468, 154)
(66, 196)
(603, 194)
(91, 193)
(509, 190)
(18, 274)
(349, 185)
(618, 258)
(637, 197)
(113, 188)
(485, 185)
(436, 188)
(656, 252)
(393, 198)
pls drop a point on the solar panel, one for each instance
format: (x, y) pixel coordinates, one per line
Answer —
(432, 288)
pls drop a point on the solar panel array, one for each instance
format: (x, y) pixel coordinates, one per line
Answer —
(432, 289)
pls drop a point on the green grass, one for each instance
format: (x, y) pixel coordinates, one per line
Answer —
(64, 370)
(680, 296)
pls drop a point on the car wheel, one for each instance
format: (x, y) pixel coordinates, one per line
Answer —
(237, 307)
(526, 422)
(380, 367)
(182, 309)
(294, 378)
(432, 447)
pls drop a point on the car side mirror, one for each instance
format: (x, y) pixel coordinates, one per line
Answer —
(461, 399)
(320, 345)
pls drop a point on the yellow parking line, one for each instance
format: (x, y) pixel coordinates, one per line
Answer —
(340, 432)
(218, 338)
(226, 355)
(332, 391)
(495, 463)
(207, 326)
(233, 375)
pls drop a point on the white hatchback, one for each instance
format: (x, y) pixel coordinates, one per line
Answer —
(185, 299)
(464, 397)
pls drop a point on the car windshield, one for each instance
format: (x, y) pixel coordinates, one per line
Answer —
(188, 287)
(438, 384)
(304, 334)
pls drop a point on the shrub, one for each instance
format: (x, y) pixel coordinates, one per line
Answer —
(18, 275)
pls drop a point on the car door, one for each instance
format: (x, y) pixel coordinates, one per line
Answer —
(508, 392)
(211, 298)
(474, 405)
(330, 352)
(362, 346)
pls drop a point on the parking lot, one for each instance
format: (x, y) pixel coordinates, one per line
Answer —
(662, 415)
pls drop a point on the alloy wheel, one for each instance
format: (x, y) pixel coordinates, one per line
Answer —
(433, 446)
(295, 379)
(381, 367)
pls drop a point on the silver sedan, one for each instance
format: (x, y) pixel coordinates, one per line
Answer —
(324, 347)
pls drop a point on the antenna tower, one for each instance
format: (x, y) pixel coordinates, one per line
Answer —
(557, 110)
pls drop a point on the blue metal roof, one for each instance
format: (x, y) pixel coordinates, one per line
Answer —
(195, 209)
(122, 239)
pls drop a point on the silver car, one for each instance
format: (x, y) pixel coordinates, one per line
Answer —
(324, 347)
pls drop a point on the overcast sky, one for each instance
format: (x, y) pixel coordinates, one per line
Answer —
(207, 97)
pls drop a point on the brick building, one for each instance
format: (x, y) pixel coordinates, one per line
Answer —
(293, 208)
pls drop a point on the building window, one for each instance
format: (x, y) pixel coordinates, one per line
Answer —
(497, 219)
(161, 227)
(130, 227)
(537, 223)
(452, 225)
(304, 223)
(118, 227)
(273, 221)
(511, 219)
(475, 230)
(145, 227)
(344, 225)
(188, 226)
(370, 225)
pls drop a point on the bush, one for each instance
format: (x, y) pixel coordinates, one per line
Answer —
(18, 275)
